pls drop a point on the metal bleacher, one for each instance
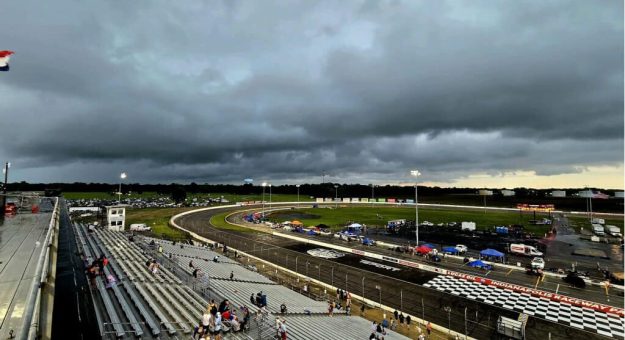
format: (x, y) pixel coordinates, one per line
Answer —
(146, 305)
(202, 259)
(302, 327)
(140, 303)
(245, 283)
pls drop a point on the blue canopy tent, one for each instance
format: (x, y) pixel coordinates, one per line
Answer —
(491, 252)
(450, 250)
(311, 232)
(480, 264)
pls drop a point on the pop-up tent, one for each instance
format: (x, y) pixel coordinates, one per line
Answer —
(423, 249)
(491, 252)
(480, 264)
(355, 228)
(450, 250)
(296, 222)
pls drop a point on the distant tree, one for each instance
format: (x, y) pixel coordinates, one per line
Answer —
(178, 194)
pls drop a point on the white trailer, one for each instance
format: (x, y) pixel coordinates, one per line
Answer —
(468, 226)
(522, 249)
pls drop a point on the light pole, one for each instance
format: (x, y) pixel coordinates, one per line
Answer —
(336, 196)
(269, 195)
(297, 186)
(3, 197)
(122, 177)
(264, 184)
(416, 175)
(372, 194)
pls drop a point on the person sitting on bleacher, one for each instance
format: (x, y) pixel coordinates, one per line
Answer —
(234, 323)
(283, 309)
(216, 259)
(246, 317)
(224, 306)
(191, 264)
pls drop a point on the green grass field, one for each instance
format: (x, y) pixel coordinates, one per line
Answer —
(378, 216)
(158, 220)
(219, 221)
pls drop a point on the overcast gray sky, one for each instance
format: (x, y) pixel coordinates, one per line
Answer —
(469, 92)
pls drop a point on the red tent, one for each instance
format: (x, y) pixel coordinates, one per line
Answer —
(423, 250)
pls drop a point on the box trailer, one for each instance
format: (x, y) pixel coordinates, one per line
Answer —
(522, 249)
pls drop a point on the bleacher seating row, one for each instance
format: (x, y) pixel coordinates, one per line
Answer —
(339, 327)
(202, 259)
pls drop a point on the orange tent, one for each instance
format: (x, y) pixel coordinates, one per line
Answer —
(296, 223)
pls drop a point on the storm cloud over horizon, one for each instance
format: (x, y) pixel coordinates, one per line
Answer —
(219, 91)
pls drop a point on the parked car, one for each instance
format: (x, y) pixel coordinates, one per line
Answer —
(461, 248)
(538, 263)
(575, 279)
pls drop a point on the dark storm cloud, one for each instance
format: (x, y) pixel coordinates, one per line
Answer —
(363, 90)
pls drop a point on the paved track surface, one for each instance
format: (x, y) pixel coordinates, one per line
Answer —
(413, 297)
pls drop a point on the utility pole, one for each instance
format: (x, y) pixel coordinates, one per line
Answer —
(3, 196)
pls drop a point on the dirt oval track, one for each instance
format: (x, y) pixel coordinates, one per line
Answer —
(480, 321)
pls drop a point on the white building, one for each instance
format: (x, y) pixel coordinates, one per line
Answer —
(619, 194)
(558, 193)
(507, 192)
(485, 192)
(116, 217)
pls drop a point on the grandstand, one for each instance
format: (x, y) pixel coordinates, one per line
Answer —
(170, 303)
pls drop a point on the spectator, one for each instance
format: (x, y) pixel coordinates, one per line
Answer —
(252, 300)
(348, 299)
(283, 309)
(428, 328)
(374, 327)
(385, 323)
(396, 314)
(110, 281)
(212, 308)
(246, 317)
(218, 324)
(231, 275)
(408, 320)
(216, 259)
(223, 306)
(195, 272)
(282, 329)
(330, 308)
(206, 321)
(393, 324)
(191, 264)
